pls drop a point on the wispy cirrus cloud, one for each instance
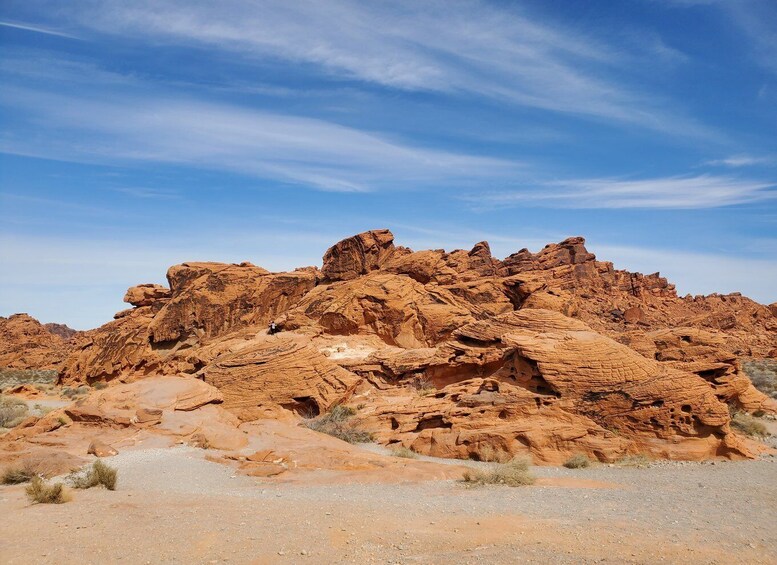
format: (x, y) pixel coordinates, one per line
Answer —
(38, 29)
(463, 48)
(735, 161)
(218, 136)
(676, 192)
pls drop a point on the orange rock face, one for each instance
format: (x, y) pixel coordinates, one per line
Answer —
(146, 294)
(456, 354)
(25, 343)
(358, 255)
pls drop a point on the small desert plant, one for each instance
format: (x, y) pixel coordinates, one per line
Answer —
(763, 375)
(640, 460)
(748, 425)
(423, 385)
(19, 474)
(404, 452)
(12, 411)
(39, 491)
(42, 410)
(335, 423)
(515, 473)
(98, 474)
(578, 461)
(99, 385)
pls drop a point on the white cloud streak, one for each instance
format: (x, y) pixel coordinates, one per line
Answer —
(678, 192)
(742, 161)
(224, 137)
(457, 47)
(38, 29)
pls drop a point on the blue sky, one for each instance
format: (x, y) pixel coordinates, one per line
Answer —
(136, 135)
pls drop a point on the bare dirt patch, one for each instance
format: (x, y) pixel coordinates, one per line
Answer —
(205, 512)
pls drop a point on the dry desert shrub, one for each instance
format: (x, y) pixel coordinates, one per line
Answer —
(98, 474)
(763, 375)
(18, 474)
(748, 425)
(12, 411)
(40, 492)
(514, 473)
(73, 393)
(578, 461)
(336, 423)
(423, 385)
(640, 461)
(404, 452)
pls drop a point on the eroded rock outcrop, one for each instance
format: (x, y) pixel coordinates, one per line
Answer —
(277, 374)
(146, 294)
(26, 344)
(451, 353)
(536, 381)
(358, 255)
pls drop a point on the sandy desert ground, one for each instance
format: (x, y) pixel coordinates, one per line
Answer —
(174, 506)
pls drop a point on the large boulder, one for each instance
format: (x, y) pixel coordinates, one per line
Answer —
(358, 255)
(398, 309)
(146, 294)
(277, 374)
(212, 299)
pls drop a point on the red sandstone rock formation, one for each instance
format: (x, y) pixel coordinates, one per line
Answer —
(358, 255)
(451, 353)
(27, 344)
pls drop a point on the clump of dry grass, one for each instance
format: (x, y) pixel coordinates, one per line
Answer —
(40, 492)
(423, 385)
(75, 392)
(748, 425)
(15, 475)
(98, 474)
(336, 423)
(640, 460)
(763, 375)
(514, 473)
(12, 411)
(404, 452)
(578, 461)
